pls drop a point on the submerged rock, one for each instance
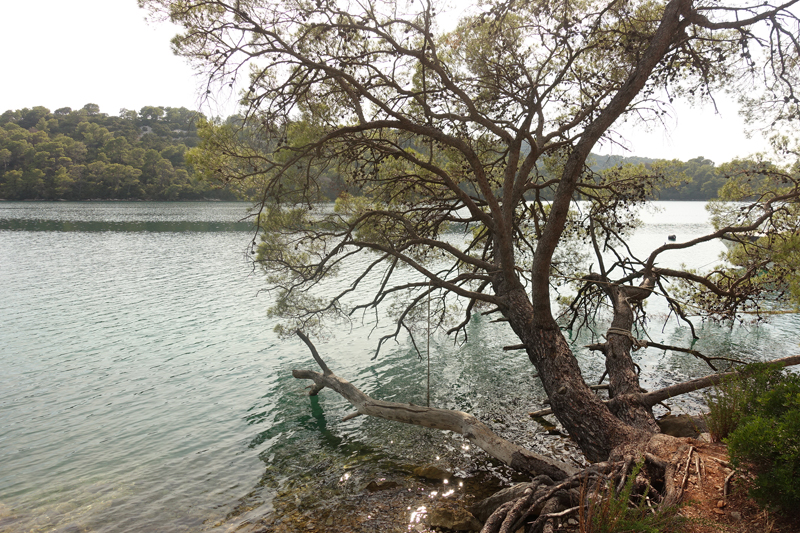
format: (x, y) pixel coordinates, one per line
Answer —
(682, 425)
(70, 528)
(432, 472)
(375, 486)
(452, 516)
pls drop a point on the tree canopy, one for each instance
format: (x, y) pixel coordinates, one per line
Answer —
(464, 151)
(85, 154)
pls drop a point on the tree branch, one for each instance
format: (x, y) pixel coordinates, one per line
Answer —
(652, 398)
(459, 422)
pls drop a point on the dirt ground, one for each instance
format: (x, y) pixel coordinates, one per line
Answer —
(712, 508)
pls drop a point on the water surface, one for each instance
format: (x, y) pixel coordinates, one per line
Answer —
(142, 387)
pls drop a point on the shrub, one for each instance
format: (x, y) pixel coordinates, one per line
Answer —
(724, 408)
(626, 512)
(736, 396)
(767, 442)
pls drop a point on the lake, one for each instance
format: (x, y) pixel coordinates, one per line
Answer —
(142, 387)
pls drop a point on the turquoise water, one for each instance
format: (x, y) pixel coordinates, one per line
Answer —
(142, 387)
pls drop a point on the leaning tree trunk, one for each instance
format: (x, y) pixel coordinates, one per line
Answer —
(582, 413)
(622, 372)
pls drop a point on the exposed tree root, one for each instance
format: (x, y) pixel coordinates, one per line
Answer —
(577, 496)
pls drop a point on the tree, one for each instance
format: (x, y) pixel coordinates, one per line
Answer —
(92, 109)
(5, 157)
(441, 131)
(128, 114)
(771, 252)
(149, 114)
(63, 183)
(32, 116)
(54, 157)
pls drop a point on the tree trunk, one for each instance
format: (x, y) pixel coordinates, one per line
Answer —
(582, 413)
(596, 426)
(622, 373)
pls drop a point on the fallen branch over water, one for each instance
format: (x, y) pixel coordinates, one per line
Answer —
(459, 422)
(543, 506)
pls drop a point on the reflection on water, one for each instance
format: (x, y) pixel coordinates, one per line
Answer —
(142, 388)
(418, 516)
(151, 217)
(150, 227)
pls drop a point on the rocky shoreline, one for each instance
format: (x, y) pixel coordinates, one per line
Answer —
(421, 499)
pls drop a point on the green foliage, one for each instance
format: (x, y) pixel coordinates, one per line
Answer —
(737, 395)
(725, 403)
(627, 512)
(249, 160)
(291, 257)
(767, 439)
(85, 154)
(758, 412)
(770, 252)
(695, 179)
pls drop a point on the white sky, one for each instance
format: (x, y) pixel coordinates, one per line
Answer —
(691, 132)
(67, 53)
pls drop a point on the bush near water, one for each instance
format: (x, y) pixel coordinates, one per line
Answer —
(758, 414)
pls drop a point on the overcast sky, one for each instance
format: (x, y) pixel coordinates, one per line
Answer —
(67, 53)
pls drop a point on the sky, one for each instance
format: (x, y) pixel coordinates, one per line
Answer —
(67, 53)
(689, 132)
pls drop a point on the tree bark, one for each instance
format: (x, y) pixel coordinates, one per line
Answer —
(584, 415)
(622, 374)
(587, 419)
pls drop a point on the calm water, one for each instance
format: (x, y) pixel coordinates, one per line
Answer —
(142, 387)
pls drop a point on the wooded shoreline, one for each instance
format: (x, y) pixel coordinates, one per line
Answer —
(87, 155)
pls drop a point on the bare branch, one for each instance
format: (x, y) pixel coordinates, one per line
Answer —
(443, 419)
(652, 398)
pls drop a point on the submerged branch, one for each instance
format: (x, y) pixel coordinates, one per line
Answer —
(459, 422)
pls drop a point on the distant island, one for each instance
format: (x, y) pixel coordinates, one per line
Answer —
(84, 154)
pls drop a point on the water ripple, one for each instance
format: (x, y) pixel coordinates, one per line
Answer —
(142, 388)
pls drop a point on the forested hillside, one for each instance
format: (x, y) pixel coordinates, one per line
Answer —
(700, 179)
(85, 154)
